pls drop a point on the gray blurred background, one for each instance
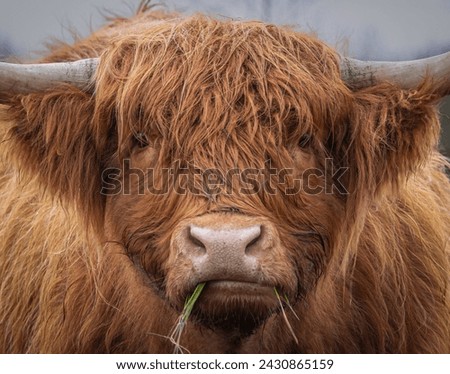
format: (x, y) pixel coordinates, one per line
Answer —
(365, 29)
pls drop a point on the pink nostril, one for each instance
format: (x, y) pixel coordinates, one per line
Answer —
(195, 241)
(237, 240)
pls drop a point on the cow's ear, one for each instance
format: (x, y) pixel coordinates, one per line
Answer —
(51, 136)
(389, 134)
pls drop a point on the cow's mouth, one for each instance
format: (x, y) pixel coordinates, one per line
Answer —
(232, 305)
(241, 287)
(232, 291)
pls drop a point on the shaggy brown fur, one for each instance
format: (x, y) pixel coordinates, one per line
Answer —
(81, 272)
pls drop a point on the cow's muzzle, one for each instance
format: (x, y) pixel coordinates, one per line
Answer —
(240, 259)
(225, 249)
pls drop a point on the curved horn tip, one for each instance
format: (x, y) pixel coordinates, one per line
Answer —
(28, 78)
(406, 74)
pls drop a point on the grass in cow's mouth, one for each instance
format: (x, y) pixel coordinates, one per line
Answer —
(176, 333)
(291, 330)
(175, 336)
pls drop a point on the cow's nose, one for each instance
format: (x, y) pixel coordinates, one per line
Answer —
(241, 241)
(225, 253)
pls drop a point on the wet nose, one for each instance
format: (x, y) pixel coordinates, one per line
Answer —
(224, 253)
(241, 241)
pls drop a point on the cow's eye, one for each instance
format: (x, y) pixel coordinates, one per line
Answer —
(140, 140)
(304, 141)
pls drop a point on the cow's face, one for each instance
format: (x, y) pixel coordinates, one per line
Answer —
(244, 237)
(216, 152)
(221, 174)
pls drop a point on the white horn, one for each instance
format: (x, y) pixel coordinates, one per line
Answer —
(27, 78)
(406, 74)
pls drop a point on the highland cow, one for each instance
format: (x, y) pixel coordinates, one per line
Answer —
(355, 260)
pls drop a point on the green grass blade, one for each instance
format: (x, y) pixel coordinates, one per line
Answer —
(288, 324)
(191, 300)
(175, 336)
(290, 307)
